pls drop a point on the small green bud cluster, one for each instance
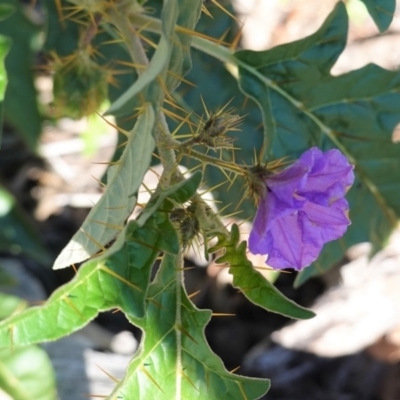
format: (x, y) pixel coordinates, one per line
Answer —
(187, 222)
(80, 86)
(212, 132)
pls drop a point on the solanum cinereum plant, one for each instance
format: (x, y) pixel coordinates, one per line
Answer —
(316, 129)
(301, 208)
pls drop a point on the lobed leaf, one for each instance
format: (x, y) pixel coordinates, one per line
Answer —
(25, 373)
(304, 105)
(107, 217)
(174, 360)
(381, 11)
(250, 282)
(117, 279)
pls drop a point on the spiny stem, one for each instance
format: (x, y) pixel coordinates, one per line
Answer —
(139, 57)
(209, 221)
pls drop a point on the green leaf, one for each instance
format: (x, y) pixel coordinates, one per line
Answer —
(18, 235)
(126, 102)
(172, 54)
(10, 304)
(381, 11)
(26, 374)
(175, 361)
(6, 10)
(252, 284)
(20, 102)
(303, 105)
(5, 45)
(107, 217)
(117, 279)
(4, 48)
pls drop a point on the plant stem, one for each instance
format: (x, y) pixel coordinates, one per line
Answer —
(162, 135)
(209, 221)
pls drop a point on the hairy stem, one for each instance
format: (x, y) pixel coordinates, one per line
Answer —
(209, 221)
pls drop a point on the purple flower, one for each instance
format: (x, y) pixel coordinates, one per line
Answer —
(303, 208)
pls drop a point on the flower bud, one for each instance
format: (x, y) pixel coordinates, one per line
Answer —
(188, 224)
(80, 86)
(213, 131)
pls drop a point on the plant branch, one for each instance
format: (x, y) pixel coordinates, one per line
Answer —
(209, 221)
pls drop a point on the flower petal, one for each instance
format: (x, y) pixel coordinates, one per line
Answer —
(329, 223)
(290, 245)
(304, 208)
(331, 173)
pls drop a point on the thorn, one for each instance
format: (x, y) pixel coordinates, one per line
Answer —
(98, 181)
(234, 369)
(187, 378)
(72, 305)
(215, 2)
(113, 378)
(115, 275)
(237, 38)
(150, 377)
(120, 130)
(223, 315)
(185, 268)
(181, 29)
(190, 296)
(205, 11)
(186, 333)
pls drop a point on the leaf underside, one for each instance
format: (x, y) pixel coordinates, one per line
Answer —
(107, 218)
(174, 360)
(381, 11)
